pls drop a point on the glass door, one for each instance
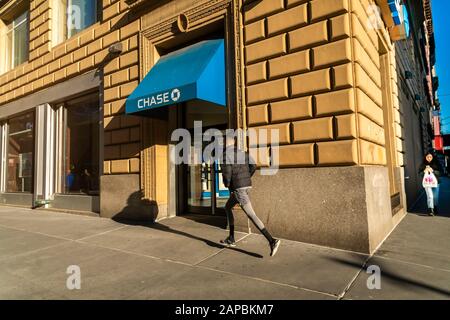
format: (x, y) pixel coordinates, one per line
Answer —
(199, 187)
(20, 154)
(222, 192)
(203, 187)
(206, 192)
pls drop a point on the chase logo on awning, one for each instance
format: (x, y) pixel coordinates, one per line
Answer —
(196, 72)
(160, 99)
(176, 94)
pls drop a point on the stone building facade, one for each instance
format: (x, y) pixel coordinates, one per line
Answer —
(417, 85)
(322, 72)
(328, 82)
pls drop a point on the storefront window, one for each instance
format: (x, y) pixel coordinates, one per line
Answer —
(20, 154)
(81, 163)
(72, 16)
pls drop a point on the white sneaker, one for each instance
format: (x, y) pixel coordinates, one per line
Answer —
(229, 241)
(274, 247)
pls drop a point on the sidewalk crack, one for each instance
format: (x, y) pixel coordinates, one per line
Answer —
(100, 233)
(353, 280)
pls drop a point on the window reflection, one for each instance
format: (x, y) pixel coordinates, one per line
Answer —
(81, 165)
(20, 153)
(16, 41)
(82, 14)
(71, 17)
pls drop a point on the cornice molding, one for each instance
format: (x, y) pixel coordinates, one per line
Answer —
(194, 14)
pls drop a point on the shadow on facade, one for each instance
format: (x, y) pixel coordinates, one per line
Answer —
(137, 11)
(250, 6)
(137, 209)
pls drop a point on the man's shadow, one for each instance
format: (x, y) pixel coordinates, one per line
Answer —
(143, 212)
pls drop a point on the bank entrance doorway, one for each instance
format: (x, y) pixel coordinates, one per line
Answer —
(204, 190)
(190, 84)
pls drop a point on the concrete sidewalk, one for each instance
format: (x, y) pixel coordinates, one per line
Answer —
(181, 258)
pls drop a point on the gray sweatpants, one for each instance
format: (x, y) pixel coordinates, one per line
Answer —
(241, 196)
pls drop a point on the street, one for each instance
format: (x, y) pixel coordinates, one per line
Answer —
(181, 258)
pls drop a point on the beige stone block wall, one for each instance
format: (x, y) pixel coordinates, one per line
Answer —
(84, 52)
(299, 79)
(369, 98)
(320, 74)
(379, 126)
(397, 112)
(311, 68)
(368, 81)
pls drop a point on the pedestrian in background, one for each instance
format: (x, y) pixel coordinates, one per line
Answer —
(430, 171)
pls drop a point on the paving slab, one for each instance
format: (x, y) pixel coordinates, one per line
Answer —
(297, 264)
(17, 288)
(420, 239)
(181, 258)
(105, 273)
(182, 242)
(64, 225)
(199, 283)
(112, 274)
(402, 281)
(197, 221)
(14, 242)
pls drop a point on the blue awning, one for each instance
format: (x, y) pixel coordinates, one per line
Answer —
(194, 72)
(395, 7)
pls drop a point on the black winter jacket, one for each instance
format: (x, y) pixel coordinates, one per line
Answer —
(434, 165)
(237, 174)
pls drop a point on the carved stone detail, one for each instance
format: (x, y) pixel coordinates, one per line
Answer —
(183, 23)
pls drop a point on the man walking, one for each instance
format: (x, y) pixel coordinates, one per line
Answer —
(238, 168)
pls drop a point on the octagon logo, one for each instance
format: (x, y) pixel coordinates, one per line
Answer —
(175, 95)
